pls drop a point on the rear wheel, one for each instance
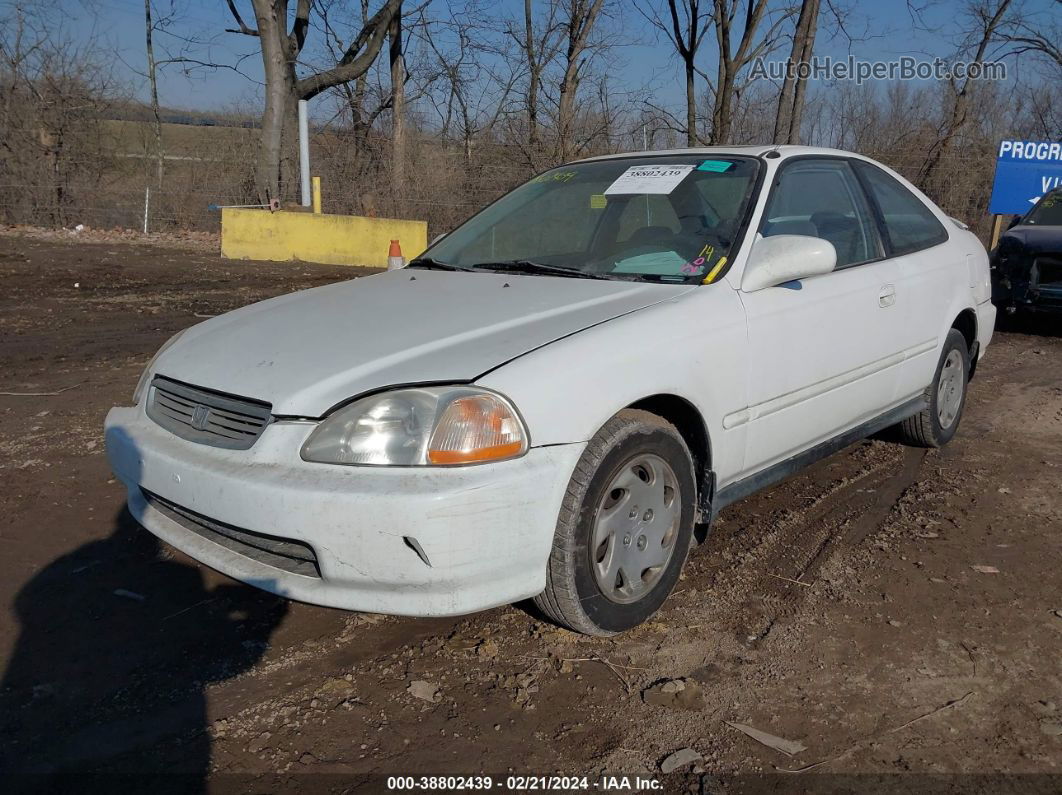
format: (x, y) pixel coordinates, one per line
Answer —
(624, 528)
(945, 398)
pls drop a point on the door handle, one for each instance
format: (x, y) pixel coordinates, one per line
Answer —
(887, 296)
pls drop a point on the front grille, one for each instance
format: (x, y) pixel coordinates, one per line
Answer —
(207, 417)
(285, 554)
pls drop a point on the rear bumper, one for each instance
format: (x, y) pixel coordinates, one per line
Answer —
(986, 325)
(485, 531)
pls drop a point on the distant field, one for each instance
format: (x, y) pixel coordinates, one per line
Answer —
(114, 181)
(180, 140)
(205, 165)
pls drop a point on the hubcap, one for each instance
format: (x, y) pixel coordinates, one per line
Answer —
(635, 528)
(949, 389)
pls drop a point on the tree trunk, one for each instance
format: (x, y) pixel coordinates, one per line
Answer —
(153, 82)
(534, 76)
(721, 109)
(732, 61)
(582, 14)
(783, 115)
(691, 104)
(686, 32)
(277, 171)
(398, 103)
(565, 115)
(277, 156)
(721, 101)
(360, 126)
(791, 100)
(800, 91)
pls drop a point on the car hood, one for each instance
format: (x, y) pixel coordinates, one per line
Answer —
(308, 351)
(1034, 239)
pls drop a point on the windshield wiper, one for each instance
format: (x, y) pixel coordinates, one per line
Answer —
(527, 266)
(428, 263)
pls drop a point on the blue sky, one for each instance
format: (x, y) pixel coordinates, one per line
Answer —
(884, 27)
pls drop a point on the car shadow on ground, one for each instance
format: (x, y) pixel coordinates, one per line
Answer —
(118, 643)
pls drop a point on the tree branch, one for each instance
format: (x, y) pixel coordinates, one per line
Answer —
(246, 31)
(358, 57)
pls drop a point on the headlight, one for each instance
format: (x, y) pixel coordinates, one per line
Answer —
(441, 426)
(143, 382)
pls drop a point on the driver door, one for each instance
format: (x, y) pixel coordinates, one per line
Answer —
(823, 352)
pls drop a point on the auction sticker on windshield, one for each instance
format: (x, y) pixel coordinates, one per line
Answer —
(649, 179)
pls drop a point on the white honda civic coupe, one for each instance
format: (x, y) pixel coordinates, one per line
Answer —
(555, 398)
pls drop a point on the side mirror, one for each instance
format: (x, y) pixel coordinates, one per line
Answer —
(783, 258)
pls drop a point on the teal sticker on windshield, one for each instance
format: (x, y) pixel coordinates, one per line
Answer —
(714, 165)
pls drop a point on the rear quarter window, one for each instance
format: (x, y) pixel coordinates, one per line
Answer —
(909, 225)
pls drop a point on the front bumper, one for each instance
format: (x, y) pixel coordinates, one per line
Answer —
(486, 531)
(1028, 283)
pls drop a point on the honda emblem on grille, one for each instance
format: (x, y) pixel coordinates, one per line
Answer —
(200, 415)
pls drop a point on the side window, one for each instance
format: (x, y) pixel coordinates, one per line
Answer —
(909, 224)
(823, 198)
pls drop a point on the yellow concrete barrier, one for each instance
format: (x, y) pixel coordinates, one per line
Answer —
(332, 239)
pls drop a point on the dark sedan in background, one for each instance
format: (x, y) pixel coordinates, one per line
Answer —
(1026, 266)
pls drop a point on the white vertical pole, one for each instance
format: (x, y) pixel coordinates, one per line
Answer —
(304, 152)
(147, 204)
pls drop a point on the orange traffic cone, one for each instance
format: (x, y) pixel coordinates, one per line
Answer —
(395, 260)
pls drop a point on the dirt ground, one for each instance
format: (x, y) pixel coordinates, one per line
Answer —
(847, 608)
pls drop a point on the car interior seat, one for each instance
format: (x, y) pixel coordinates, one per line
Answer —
(843, 232)
(650, 234)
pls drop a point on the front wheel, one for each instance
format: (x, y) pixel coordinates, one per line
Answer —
(945, 398)
(624, 528)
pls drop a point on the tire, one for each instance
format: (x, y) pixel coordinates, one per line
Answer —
(633, 484)
(935, 425)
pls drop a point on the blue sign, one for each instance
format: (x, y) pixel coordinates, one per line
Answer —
(1025, 171)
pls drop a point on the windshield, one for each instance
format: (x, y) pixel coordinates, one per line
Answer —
(1048, 212)
(670, 218)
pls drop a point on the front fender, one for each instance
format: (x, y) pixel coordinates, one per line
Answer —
(693, 346)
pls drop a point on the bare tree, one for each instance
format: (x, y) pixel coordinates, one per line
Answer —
(685, 25)
(398, 101)
(988, 17)
(477, 77)
(55, 91)
(1039, 37)
(281, 49)
(355, 93)
(1045, 112)
(732, 60)
(790, 111)
(539, 43)
(153, 82)
(580, 16)
(169, 42)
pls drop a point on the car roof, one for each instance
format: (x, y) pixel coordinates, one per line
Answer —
(759, 150)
